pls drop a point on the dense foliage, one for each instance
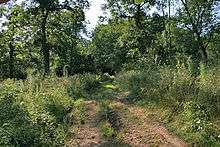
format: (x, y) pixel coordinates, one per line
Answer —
(155, 53)
(35, 112)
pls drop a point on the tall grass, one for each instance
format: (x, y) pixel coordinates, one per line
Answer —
(193, 102)
(35, 112)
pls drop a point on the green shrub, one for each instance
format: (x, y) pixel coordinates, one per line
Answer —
(83, 86)
(106, 130)
(176, 84)
(140, 79)
(16, 127)
(209, 91)
(78, 114)
(106, 78)
(34, 112)
(105, 110)
(140, 84)
(194, 124)
(107, 117)
(199, 97)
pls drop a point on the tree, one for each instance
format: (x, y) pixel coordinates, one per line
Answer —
(136, 11)
(64, 30)
(45, 9)
(12, 39)
(199, 18)
(106, 48)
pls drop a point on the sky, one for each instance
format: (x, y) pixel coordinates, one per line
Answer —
(92, 15)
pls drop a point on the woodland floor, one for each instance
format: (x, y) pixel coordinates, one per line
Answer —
(134, 127)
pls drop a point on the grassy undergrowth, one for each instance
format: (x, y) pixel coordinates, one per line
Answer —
(37, 112)
(188, 105)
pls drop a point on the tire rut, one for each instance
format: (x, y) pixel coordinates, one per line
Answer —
(137, 129)
(141, 130)
(87, 134)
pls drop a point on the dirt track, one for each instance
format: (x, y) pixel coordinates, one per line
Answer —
(138, 130)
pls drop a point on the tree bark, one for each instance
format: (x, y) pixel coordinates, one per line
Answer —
(138, 17)
(3, 1)
(45, 49)
(11, 60)
(203, 52)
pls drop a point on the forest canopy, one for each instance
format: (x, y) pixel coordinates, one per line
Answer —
(47, 35)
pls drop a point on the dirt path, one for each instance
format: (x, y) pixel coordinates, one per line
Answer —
(88, 134)
(144, 131)
(138, 129)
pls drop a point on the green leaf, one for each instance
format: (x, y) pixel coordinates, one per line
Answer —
(138, 1)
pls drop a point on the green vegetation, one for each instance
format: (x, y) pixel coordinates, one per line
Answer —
(37, 112)
(187, 105)
(150, 62)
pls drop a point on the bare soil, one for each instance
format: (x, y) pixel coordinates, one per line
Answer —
(137, 130)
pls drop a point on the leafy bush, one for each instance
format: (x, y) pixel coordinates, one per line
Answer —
(107, 130)
(34, 112)
(105, 109)
(83, 85)
(197, 99)
(16, 127)
(195, 125)
(139, 84)
(107, 117)
(209, 91)
(176, 84)
(78, 113)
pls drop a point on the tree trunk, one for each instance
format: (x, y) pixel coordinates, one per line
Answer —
(11, 60)
(199, 54)
(45, 49)
(3, 1)
(169, 29)
(204, 54)
(138, 17)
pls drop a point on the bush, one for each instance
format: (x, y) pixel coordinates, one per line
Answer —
(140, 84)
(83, 86)
(195, 125)
(108, 119)
(107, 130)
(34, 112)
(16, 127)
(209, 91)
(176, 84)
